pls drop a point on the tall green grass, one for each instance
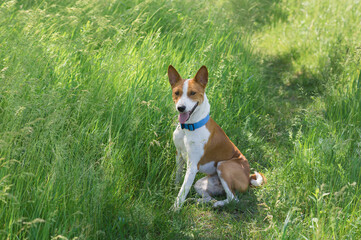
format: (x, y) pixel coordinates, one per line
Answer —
(86, 116)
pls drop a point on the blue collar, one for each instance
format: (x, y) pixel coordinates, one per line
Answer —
(194, 126)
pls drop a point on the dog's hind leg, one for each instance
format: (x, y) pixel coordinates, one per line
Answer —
(208, 187)
(234, 175)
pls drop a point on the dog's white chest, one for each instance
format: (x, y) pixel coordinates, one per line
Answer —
(191, 143)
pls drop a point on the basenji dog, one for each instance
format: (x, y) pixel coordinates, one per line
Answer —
(204, 146)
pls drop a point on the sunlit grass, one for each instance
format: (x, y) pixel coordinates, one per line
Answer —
(86, 116)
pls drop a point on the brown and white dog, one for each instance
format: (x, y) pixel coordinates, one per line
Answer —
(204, 145)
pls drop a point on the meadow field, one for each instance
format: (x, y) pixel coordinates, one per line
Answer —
(86, 116)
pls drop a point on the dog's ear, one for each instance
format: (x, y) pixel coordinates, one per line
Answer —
(202, 76)
(173, 75)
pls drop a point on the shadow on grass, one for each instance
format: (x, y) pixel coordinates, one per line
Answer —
(224, 222)
(290, 89)
(254, 14)
(247, 205)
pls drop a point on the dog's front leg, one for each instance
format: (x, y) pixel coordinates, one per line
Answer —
(179, 165)
(187, 184)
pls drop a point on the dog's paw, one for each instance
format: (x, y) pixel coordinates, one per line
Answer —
(176, 206)
(220, 203)
(224, 202)
(174, 209)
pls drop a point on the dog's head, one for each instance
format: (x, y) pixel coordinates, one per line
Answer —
(188, 94)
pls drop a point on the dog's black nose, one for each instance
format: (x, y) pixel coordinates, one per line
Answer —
(181, 108)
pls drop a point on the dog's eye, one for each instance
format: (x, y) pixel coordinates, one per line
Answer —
(193, 93)
(177, 93)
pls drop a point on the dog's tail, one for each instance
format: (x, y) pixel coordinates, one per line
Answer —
(257, 179)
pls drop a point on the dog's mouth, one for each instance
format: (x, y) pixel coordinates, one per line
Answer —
(183, 117)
